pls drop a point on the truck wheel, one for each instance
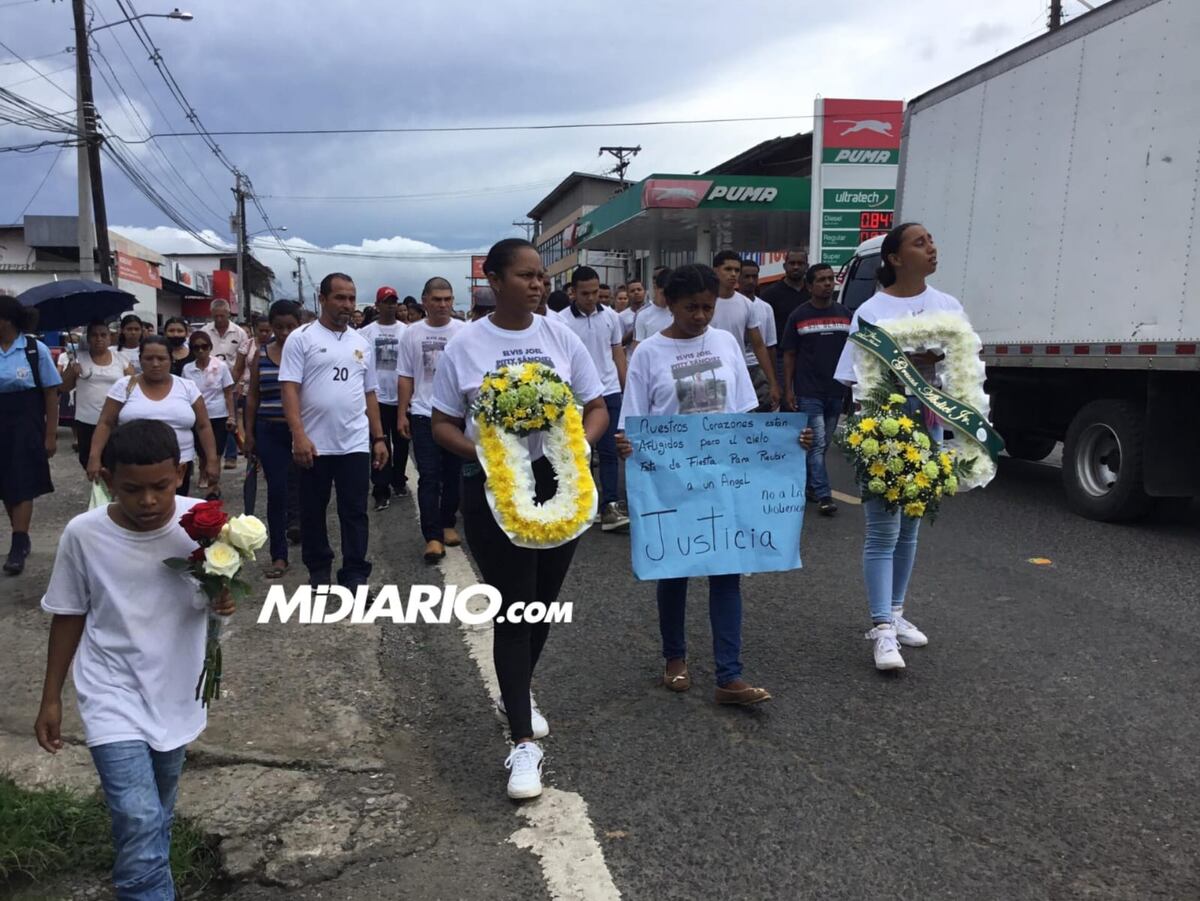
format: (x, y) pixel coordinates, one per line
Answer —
(1023, 446)
(1102, 462)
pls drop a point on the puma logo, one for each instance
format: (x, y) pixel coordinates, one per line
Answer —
(676, 194)
(857, 125)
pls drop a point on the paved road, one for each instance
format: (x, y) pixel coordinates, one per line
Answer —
(1042, 746)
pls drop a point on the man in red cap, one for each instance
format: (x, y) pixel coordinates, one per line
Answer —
(384, 334)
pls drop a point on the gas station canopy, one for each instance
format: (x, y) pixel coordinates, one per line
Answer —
(701, 213)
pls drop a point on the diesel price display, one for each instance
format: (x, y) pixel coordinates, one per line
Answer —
(872, 223)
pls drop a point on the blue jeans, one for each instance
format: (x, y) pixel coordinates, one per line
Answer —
(273, 445)
(438, 473)
(139, 785)
(823, 413)
(888, 554)
(607, 450)
(724, 616)
(352, 475)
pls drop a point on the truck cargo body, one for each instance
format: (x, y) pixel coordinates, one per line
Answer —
(1060, 182)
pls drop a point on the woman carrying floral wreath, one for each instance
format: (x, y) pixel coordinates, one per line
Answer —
(505, 399)
(909, 256)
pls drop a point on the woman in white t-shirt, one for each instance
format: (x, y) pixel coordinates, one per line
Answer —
(909, 256)
(513, 334)
(91, 375)
(156, 394)
(214, 378)
(689, 368)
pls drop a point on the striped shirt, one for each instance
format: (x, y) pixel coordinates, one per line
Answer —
(270, 396)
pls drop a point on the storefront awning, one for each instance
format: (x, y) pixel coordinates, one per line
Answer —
(673, 213)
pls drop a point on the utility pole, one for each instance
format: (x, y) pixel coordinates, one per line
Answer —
(623, 156)
(1055, 14)
(239, 193)
(86, 111)
(298, 275)
(529, 225)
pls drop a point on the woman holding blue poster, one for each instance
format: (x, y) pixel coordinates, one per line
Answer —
(689, 368)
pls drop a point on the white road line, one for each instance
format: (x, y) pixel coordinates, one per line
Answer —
(560, 832)
(847, 498)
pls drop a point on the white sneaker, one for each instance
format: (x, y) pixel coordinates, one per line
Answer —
(908, 634)
(524, 767)
(887, 651)
(541, 728)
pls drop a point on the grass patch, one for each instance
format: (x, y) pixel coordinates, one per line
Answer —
(46, 833)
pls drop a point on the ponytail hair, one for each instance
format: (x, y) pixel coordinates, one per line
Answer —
(886, 273)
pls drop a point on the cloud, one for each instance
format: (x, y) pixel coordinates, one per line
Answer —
(986, 34)
(416, 261)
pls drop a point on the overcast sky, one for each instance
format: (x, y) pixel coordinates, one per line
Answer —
(270, 64)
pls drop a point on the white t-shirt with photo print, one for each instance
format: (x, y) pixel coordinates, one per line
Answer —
(385, 339)
(482, 347)
(669, 376)
(420, 349)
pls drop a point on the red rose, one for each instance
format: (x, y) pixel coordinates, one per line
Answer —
(205, 520)
(196, 556)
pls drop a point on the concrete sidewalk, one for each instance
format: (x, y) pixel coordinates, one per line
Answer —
(303, 768)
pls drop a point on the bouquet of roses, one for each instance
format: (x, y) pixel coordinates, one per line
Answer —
(224, 544)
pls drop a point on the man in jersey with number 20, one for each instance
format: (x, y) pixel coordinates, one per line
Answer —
(328, 382)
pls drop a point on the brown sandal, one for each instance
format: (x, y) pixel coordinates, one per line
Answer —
(742, 697)
(679, 682)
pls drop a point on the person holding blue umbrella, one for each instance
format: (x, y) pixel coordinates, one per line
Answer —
(29, 383)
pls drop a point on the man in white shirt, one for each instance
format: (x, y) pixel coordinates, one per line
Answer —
(228, 340)
(764, 318)
(653, 317)
(599, 328)
(438, 470)
(328, 383)
(735, 314)
(384, 335)
(636, 292)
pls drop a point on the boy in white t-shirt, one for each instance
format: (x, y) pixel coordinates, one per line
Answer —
(137, 652)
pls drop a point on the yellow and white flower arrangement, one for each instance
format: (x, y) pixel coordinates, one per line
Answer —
(961, 374)
(514, 403)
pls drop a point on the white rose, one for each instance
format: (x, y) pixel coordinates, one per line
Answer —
(246, 533)
(221, 559)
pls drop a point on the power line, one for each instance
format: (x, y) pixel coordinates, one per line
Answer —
(415, 256)
(153, 100)
(41, 184)
(34, 59)
(457, 129)
(41, 75)
(34, 68)
(432, 195)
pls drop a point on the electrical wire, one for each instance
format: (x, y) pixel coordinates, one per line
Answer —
(458, 129)
(41, 184)
(222, 198)
(435, 195)
(34, 68)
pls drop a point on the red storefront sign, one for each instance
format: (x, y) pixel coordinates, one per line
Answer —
(477, 268)
(130, 269)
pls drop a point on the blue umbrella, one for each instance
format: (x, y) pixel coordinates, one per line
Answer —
(72, 302)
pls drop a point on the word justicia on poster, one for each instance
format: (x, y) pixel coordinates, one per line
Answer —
(715, 493)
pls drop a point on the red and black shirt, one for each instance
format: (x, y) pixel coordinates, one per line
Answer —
(817, 336)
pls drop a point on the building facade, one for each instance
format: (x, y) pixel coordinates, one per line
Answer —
(555, 236)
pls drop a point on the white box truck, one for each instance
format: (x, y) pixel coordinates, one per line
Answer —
(1061, 182)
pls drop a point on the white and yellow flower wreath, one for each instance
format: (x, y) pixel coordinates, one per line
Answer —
(515, 402)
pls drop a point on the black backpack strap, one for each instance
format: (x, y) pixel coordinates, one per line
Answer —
(33, 356)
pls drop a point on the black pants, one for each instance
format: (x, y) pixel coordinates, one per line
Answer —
(83, 433)
(350, 474)
(519, 574)
(393, 476)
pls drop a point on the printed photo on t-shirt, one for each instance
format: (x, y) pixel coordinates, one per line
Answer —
(697, 387)
(431, 349)
(386, 351)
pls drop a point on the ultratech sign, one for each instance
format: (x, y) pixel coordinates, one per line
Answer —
(856, 199)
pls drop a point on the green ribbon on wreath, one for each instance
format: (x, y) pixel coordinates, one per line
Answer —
(963, 417)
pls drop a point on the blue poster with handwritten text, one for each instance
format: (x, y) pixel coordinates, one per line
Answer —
(715, 493)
